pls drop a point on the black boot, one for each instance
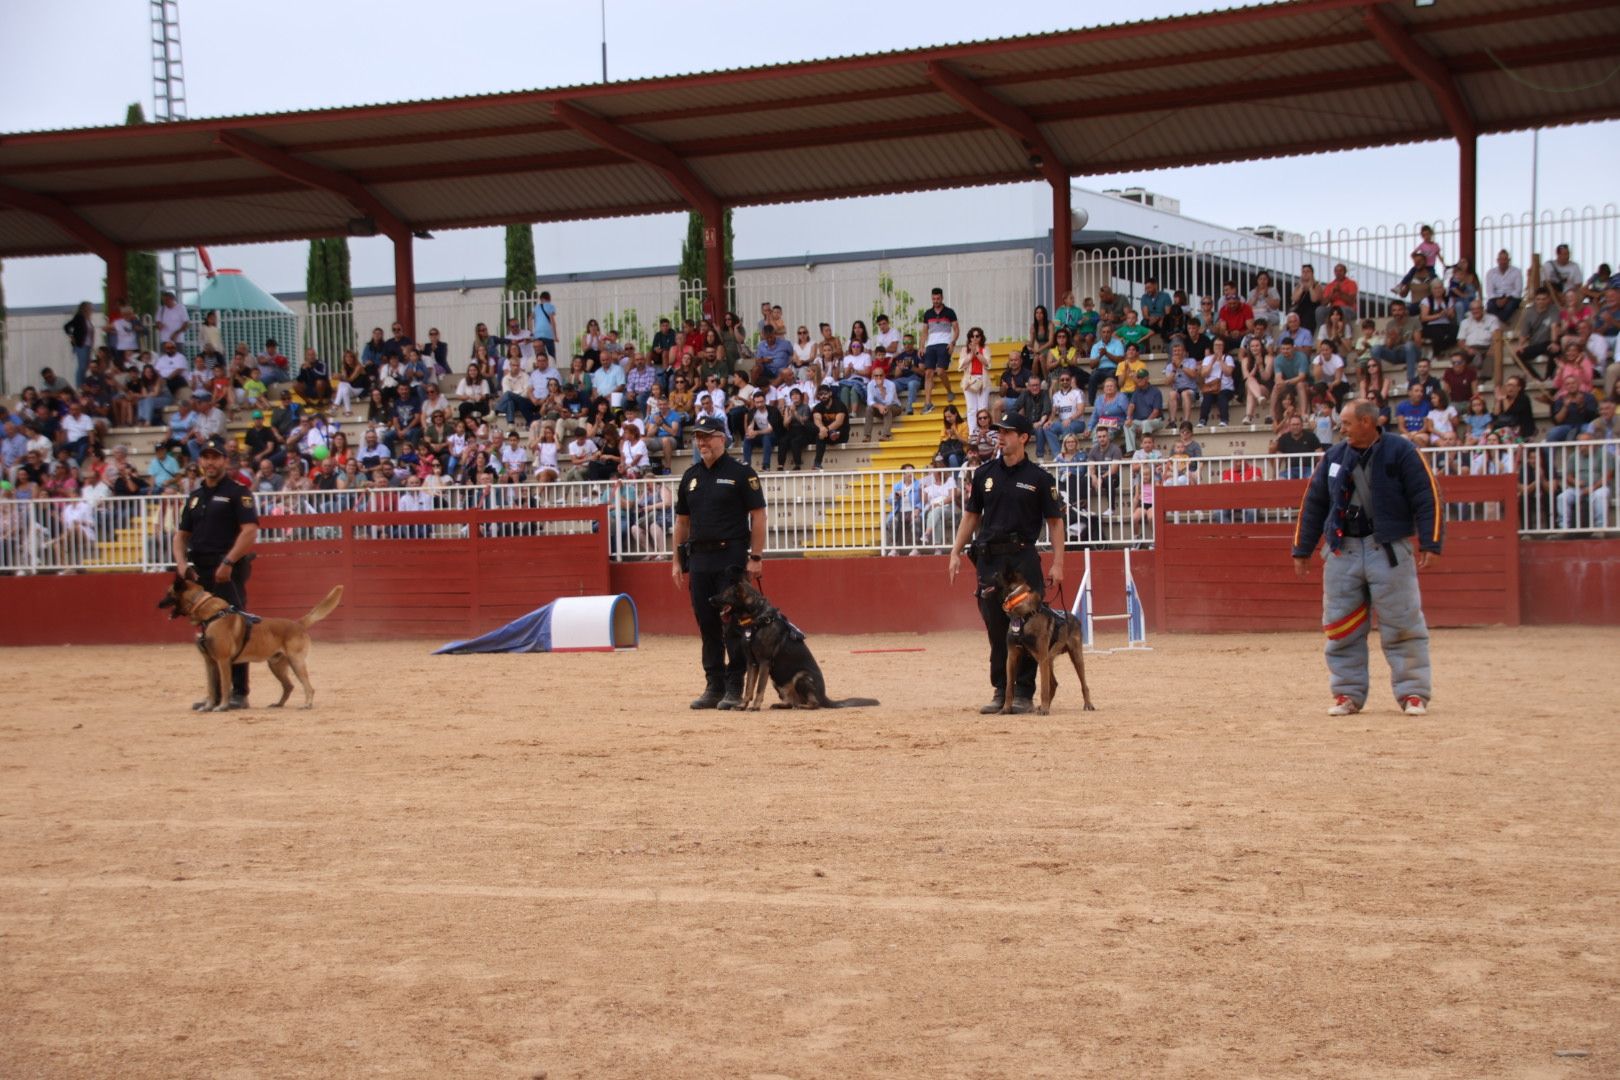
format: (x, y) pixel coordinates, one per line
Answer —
(709, 699)
(731, 700)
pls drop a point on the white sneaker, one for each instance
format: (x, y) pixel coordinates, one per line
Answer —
(1413, 705)
(1343, 706)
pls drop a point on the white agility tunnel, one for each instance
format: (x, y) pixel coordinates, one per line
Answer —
(593, 623)
(567, 624)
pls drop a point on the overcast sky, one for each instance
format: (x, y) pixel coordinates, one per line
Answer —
(312, 53)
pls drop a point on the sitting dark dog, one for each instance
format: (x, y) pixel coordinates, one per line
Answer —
(776, 650)
(1044, 632)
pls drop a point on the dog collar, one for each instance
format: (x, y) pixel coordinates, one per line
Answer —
(749, 621)
(1016, 598)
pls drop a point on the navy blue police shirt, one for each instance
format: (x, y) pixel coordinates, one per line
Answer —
(213, 516)
(717, 502)
(1013, 499)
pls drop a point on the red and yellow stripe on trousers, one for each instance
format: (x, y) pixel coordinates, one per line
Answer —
(1347, 625)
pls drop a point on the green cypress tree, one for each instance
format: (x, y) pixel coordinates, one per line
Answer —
(328, 295)
(521, 277)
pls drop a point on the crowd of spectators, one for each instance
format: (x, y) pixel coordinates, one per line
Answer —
(1112, 380)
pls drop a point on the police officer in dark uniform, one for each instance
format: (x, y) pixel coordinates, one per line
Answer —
(213, 543)
(719, 525)
(1010, 499)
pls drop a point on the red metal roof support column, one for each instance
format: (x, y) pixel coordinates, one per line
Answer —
(1427, 69)
(404, 283)
(1467, 196)
(1062, 243)
(714, 267)
(1042, 158)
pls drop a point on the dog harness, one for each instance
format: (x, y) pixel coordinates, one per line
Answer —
(750, 624)
(1015, 627)
(202, 629)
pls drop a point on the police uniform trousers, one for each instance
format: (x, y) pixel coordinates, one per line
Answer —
(1358, 584)
(996, 622)
(233, 592)
(725, 661)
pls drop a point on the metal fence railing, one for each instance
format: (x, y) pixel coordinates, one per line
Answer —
(1377, 259)
(1565, 489)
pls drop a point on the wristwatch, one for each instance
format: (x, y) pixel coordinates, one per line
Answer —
(756, 558)
(227, 562)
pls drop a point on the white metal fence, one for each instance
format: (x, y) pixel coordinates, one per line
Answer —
(1376, 258)
(1565, 488)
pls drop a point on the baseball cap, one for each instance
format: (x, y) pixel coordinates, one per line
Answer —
(1015, 421)
(214, 445)
(709, 425)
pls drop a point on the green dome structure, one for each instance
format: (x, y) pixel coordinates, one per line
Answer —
(247, 313)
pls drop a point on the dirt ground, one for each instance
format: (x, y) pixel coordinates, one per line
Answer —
(507, 866)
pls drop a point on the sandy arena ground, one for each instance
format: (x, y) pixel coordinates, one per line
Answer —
(503, 866)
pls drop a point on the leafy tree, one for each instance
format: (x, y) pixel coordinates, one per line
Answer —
(897, 304)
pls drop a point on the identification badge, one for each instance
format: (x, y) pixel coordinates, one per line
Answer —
(1333, 469)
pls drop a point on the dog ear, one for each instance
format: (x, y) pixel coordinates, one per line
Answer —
(735, 574)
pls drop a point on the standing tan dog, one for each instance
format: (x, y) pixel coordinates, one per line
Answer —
(1045, 632)
(226, 636)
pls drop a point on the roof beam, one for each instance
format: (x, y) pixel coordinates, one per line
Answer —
(59, 215)
(318, 177)
(643, 151)
(999, 114)
(1427, 69)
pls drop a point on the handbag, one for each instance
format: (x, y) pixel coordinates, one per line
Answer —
(973, 384)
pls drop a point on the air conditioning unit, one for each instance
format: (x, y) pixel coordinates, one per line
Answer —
(1144, 197)
(1274, 233)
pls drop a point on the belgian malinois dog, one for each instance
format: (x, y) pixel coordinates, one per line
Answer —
(776, 651)
(226, 636)
(1045, 633)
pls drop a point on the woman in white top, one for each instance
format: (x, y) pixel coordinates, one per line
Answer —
(209, 336)
(1265, 300)
(546, 468)
(634, 460)
(1215, 383)
(473, 392)
(974, 364)
(1327, 367)
(1441, 423)
(804, 352)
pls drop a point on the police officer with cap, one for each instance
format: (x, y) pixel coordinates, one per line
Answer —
(719, 526)
(1011, 497)
(213, 542)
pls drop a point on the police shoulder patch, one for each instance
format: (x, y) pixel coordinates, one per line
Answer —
(247, 500)
(989, 482)
(753, 482)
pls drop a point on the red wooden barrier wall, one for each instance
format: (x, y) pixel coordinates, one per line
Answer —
(468, 574)
(1217, 576)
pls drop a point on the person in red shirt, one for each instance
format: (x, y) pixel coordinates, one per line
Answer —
(1460, 377)
(1233, 320)
(1339, 293)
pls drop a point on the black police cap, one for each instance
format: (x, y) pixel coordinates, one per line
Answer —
(709, 425)
(213, 445)
(1015, 421)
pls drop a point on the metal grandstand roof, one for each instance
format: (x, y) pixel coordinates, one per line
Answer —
(1241, 84)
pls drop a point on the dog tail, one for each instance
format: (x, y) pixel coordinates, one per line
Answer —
(852, 703)
(322, 609)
